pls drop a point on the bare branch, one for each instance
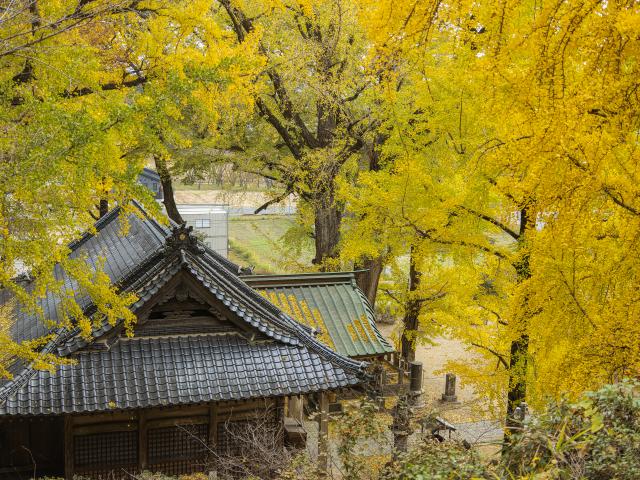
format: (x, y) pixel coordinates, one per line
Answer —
(277, 199)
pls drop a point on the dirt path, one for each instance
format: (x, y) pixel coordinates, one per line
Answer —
(434, 358)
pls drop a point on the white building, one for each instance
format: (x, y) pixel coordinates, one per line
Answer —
(211, 222)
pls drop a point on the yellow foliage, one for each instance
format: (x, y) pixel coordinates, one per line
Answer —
(511, 167)
(89, 91)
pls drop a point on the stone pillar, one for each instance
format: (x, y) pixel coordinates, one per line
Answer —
(415, 384)
(449, 394)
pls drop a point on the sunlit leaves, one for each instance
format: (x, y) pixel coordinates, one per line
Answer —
(506, 106)
(88, 92)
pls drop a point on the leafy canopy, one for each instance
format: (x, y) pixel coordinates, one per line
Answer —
(88, 90)
(511, 167)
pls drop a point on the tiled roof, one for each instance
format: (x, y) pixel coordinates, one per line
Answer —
(122, 254)
(291, 360)
(145, 372)
(331, 303)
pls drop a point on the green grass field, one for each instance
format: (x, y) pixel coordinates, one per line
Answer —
(258, 240)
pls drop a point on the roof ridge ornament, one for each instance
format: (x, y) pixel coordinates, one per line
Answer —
(183, 238)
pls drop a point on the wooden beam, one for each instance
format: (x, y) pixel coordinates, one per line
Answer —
(172, 422)
(213, 426)
(143, 460)
(68, 447)
(104, 428)
(323, 435)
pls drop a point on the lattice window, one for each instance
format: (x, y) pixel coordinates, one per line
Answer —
(106, 455)
(231, 435)
(179, 449)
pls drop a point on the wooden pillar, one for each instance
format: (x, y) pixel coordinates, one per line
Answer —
(280, 410)
(213, 426)
(68, 447)
(296, 408)
(323, 435)
(143, 450)
(395, 359)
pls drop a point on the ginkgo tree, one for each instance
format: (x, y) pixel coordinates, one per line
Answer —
(90, 90)
(313, 124)
(512, 179)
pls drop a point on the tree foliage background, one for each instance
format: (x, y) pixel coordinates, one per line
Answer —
(511, 170)
(89, 89)
(486, 151)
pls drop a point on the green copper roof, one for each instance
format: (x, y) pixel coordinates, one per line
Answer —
(332, 304)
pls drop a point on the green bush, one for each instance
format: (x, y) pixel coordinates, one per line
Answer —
(437, 461)
(597, 438)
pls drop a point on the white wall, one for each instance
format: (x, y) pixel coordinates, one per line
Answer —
(210, 221)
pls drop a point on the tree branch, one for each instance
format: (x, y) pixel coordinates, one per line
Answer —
(393, 297)
(491, 220)
(499, 356)
(608, 190)
(275, 122)
(277, 199)
(427, 236)
(618, 200)
(498, 317)
(79, 92)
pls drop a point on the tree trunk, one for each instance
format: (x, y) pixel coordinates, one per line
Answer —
(368, 282)
(103, 207)
(167, 189)
(103, 203)
(517, 392)
(519, 351)
(368, 279)
(327, 230)
(412, 311)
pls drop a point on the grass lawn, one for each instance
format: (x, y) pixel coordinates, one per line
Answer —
(257, 240)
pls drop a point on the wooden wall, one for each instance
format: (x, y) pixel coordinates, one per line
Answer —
(31, 445)
(172, 440)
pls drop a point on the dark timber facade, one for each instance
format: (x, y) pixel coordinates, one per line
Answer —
(208, 352)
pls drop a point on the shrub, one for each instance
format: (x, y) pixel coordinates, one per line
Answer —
(433, 460)
(597, 438)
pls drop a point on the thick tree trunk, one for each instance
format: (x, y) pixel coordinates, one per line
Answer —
(517, 392)
(368, 279)
(328, 217)
(412, 311)
(167, 189)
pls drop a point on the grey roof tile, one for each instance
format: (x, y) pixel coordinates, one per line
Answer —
(122, 253)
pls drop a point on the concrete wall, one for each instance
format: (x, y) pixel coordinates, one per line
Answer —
(211, 222)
